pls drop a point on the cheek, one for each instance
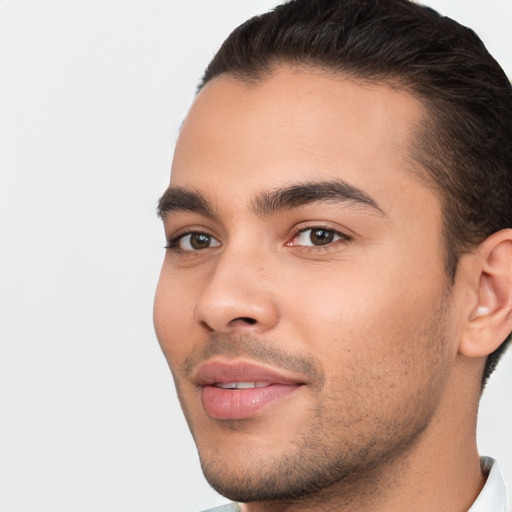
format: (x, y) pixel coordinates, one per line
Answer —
(376, 320)
(173, 314)
(382, 353)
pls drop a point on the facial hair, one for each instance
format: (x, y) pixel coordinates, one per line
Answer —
(330, 450)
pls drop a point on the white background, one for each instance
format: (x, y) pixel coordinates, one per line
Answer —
(91, 97)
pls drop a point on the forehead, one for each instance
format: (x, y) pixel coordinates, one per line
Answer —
(241, 138)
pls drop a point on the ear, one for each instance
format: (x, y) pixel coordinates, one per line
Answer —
(489, 319)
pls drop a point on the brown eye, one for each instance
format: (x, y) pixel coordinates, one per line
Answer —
(196, 242)
(200, 241)
(321, 236)
(317, 237)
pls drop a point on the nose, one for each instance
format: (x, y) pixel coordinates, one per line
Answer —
(237, 296)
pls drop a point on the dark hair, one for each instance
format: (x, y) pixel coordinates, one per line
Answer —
(465, 144)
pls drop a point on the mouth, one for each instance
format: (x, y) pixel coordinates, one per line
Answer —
(238, 390)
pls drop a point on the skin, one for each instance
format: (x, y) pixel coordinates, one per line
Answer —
(386, 417)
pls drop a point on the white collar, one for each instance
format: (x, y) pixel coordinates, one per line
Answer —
(492, 497)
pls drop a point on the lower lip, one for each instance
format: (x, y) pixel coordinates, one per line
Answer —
(238, 404)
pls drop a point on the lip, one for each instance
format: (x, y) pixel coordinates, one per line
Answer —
(218, 371)
(222, 403)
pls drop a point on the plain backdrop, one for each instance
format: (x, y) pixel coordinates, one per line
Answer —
(92, 94)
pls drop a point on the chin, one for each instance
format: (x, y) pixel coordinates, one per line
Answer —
(300, 470)
(289, 479)
(309, 465)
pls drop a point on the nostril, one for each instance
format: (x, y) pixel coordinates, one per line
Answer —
(246, 319)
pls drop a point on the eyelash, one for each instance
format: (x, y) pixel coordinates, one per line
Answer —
(173, 243)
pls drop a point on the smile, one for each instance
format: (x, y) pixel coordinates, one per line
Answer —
(236, 390)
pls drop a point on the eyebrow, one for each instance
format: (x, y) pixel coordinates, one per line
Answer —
(179, 199)
(301, 194)
(176, 199)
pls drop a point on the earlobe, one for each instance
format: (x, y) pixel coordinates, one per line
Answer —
(490, 319)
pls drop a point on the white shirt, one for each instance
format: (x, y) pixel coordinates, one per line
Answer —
(493, 496)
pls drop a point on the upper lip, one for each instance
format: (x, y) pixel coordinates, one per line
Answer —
(222, 372)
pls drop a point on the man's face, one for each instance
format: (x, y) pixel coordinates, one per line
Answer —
(303, 303)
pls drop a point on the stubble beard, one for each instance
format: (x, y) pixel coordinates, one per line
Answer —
(316, 468)
(332, 455)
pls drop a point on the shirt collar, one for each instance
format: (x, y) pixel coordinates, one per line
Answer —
(492, 497)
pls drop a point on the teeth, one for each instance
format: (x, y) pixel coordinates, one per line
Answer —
(242, 385)
(231, 385)
(245, 385)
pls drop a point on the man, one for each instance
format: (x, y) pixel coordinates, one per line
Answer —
(337, 285)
